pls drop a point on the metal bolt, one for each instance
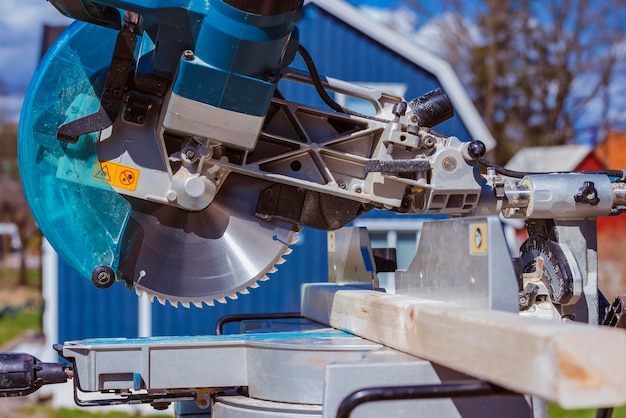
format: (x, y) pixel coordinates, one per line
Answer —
(102, 277)
(188, 55)
(429, 142)
(449, 164)
(190, 153)
(342, 185)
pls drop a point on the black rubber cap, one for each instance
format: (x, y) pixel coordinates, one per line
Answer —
(432, 108)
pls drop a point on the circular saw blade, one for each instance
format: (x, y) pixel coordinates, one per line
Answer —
(168, 253)
(196, 257)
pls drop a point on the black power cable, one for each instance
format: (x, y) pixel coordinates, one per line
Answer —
(520, 174)
(321, 91)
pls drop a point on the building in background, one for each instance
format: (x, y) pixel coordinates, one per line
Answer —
(612, 151)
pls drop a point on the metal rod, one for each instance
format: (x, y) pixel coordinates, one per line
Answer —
(457, 389)
(227, 319)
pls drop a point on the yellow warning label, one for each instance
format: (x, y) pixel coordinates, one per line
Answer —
(478, 238)
(117, 175)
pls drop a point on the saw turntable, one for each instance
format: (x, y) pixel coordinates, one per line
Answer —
(157, 152)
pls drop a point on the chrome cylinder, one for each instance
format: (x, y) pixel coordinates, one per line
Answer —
(568, 196)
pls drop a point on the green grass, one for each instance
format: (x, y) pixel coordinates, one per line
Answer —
(14, 325)
(556, 412)
(47, 411)
(9, 277)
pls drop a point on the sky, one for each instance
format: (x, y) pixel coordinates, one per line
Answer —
(21, 27)
(21, 31)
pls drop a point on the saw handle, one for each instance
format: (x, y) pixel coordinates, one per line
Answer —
(22, 374)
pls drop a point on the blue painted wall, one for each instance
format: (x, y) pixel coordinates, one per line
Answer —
(85, 311)
(339, 51)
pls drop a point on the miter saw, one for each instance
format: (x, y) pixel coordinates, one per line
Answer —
(156, 150)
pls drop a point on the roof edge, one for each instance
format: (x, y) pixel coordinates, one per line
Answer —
(440, 68)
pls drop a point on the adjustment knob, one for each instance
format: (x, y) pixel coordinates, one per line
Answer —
(474, 150)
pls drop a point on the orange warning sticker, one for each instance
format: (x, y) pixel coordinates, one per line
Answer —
(118, 175)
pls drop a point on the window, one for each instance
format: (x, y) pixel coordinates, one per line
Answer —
(401, 234)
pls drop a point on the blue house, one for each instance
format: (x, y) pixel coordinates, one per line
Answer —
(347, 45)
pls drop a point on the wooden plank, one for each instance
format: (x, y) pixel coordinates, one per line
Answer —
(574, 365)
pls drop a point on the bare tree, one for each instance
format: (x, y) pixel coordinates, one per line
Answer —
(14, 209)
(8, 150)
(533, 68)
(13, 206)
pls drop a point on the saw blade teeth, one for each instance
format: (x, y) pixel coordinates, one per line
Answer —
(212, 299)
(145, 293)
